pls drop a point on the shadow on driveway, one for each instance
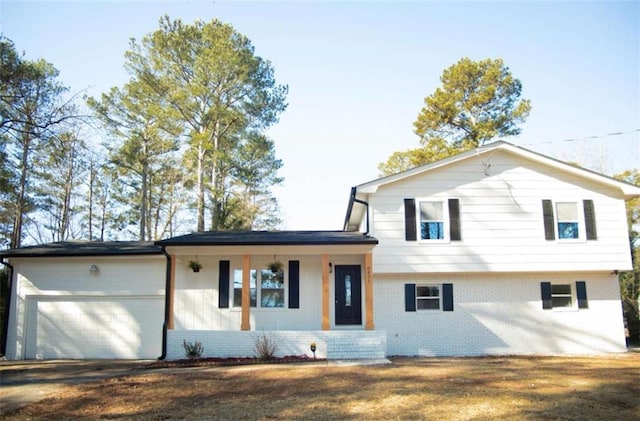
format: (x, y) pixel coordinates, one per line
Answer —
(25, 382)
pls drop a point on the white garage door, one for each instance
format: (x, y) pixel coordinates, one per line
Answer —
(95, 327)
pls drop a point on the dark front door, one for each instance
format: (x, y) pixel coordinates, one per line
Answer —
(348, 296)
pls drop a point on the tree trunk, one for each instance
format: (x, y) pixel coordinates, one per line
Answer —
(92, 181)
(16, 235)
(200, 182)
(143, 204)
(66, 206)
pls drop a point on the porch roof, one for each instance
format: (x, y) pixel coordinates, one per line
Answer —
(269, 238)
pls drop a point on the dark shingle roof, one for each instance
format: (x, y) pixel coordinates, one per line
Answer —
(210, 238)
(269, 238)
(85, 248)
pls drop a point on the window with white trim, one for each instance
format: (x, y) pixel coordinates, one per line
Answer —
(561, 296)
(432, 221)
(568, 221)
(270, 294)
(427, 297)
(271, 288)
(237, 287)
(564, 295)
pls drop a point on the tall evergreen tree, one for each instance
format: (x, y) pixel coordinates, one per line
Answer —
(32, 108)
(208, 73)
(146, 139)
(630, 281)
(478, 101)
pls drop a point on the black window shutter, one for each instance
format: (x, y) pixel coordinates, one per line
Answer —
(581, 292)
(454, 219)
(447, 297)
(545, 290)
(223, 284)
(590, 220)
(547, 214)
(409, 297)
(294, 284)
(410, 233)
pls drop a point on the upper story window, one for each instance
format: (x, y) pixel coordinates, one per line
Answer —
(568, 222)
(432, 221)
(565, 220)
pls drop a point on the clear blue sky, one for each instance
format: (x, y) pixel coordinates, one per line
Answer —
(358, 73)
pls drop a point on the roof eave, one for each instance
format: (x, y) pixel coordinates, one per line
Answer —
(629, 191)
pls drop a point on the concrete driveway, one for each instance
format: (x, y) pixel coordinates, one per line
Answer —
(24, 382)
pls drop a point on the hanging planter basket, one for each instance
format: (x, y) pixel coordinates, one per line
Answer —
(195, 265)
(275, 266)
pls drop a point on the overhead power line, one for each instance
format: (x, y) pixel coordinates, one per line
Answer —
(579, 139)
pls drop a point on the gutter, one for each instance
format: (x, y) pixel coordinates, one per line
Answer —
(7, 310)
(166, 304)
(353, 199)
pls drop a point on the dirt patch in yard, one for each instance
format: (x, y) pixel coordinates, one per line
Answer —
(563, 388)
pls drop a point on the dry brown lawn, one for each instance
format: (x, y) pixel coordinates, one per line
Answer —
(565, 388)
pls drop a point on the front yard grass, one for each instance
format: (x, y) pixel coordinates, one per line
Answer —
(561, 388)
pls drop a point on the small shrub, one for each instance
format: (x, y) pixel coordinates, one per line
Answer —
(192, 351)
(265, 346)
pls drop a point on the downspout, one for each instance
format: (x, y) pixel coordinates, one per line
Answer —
(7, 310)
(166, 304)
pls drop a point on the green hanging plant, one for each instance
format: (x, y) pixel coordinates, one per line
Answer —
(195, 265)
(275, 266)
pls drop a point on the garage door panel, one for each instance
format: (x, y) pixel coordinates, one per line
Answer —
(91, 327)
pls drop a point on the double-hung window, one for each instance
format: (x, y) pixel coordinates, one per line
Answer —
(432, 221)
(561, 296)
(428, 297)
(564, 295)
(569, 220)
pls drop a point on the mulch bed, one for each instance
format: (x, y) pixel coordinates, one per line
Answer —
(212, 361)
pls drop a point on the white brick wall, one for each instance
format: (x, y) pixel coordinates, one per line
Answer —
(501, 314)
(351, 344)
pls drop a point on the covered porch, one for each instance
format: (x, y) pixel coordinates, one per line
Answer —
(300, 286)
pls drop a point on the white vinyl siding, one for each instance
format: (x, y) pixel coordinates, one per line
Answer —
(502, 218)
(196, 296)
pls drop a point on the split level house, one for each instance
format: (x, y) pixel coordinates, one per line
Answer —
(494, 251)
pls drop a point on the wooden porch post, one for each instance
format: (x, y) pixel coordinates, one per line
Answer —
(326, 324)
(171, 291)
(246, 293)
(368, 291)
